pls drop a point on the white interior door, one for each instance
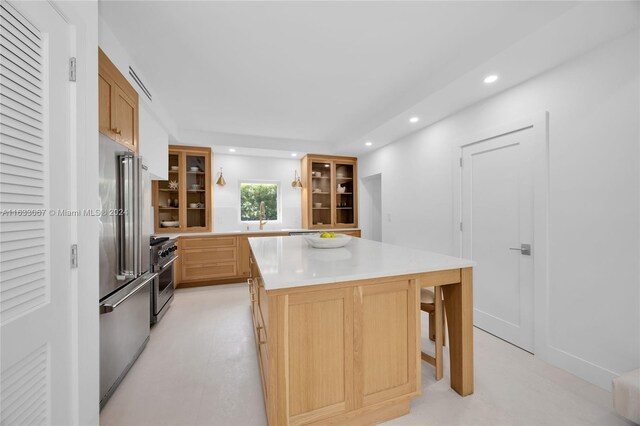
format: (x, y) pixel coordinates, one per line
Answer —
(35, 305)
(497, 217)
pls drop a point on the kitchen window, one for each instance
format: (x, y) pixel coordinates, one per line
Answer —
(252, 194)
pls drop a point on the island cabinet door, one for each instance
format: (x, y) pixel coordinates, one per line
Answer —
(315, 356)
(386, 342)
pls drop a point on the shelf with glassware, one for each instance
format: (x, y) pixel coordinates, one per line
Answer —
(329, 193)
(183, 203)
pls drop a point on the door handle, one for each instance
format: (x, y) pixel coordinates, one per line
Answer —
(525, 249)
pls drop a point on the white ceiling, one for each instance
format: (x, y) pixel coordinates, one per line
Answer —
(322, 76)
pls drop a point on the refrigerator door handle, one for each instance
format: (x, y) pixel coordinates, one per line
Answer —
(126, 212)
(110, 307)
(137, 216)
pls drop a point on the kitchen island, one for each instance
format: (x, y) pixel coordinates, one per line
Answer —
(338, 331)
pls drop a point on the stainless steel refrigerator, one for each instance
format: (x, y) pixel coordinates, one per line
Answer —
(125, 280)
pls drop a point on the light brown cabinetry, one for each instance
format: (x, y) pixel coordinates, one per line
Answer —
(329, 192)
(356, 233)
(117, 105)
(345, 353)
(215, 259)
(189, 205)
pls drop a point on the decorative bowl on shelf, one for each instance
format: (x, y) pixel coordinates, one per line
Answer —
(169, 223)
(174, 168)
(315, 241)
(316, 190)
(194, 205)
(195, 186)
(317, 205)
(194, 169)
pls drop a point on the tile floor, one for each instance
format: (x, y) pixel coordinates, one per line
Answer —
(200, 368)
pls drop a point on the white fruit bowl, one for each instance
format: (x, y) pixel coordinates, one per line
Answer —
(169, 223)
(340, 240)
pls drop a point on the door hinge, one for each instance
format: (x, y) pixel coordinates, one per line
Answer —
(460, 161)
(72, 69)
(74, 255)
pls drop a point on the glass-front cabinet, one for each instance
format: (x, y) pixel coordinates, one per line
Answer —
(329, 193)
(183, 202)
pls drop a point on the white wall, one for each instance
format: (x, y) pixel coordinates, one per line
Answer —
(154, 144)
(594, 278)
(237, 168)
(370, 207)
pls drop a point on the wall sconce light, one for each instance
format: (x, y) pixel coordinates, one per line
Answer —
(297, 183)
(220, 181)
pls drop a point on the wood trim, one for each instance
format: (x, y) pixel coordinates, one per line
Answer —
(451, 276)
(458, 300)
(305, 199)
(370, 415)
(426, 279)
(321, 157)
(282, 377)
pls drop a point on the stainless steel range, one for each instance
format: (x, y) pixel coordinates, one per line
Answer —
(163, 256)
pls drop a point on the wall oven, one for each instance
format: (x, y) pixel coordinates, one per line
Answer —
(163, 257)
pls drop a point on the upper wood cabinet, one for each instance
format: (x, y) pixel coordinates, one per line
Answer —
(189, 204)
(330, 192)
(117, 105)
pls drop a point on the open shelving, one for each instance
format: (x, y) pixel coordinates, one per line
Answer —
(323, 207)
(194, 187)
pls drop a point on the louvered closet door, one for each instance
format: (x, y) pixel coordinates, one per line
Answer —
(35, 296)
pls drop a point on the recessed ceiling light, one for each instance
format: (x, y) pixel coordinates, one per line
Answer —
(232, 150)
(414, 119)
(293, 154)
(368, 143)
(491, 79)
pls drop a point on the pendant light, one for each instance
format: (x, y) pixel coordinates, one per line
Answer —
(297, 183)
(220, 181)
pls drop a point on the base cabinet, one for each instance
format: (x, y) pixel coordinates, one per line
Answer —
(215, 259)
(334, 355)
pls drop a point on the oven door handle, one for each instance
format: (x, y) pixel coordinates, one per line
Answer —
(167, 264)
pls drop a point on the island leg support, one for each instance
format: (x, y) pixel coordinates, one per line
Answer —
(458, 300)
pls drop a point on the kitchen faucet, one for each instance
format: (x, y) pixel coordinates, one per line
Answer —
(263, 215)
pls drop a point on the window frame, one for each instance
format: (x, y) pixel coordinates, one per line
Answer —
(278, 185)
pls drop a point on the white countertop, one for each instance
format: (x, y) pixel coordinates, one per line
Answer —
(253, 231)
(287, 262)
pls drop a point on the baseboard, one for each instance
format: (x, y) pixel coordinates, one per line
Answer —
(188, 284)
(577, 366)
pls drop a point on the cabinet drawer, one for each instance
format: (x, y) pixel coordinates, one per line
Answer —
(203, 272)
(208, 242)
(209, 256)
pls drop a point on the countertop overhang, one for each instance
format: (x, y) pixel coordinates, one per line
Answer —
(287, 262)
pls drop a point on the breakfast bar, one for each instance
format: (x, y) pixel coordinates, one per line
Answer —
(337, 330)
